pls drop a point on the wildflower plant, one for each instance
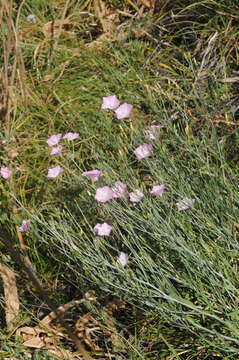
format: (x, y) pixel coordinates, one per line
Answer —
(157, 224)
(171, 254)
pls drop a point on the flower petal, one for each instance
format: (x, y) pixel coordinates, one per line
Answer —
(54, 172)
(136, 196)
(123, 259)
(104, 194)
(102, 229)
(54, 139)
(119, 189)
(158, 190)
(143, 151)
(94, 175)
(110, 102)
(5, 172)
(71, 136)
(56, 150)
(123, 111)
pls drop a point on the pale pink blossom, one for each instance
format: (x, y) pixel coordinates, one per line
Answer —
(110, 102)
(104, 194)
(56, 150)
(94, 175)
(123, 111)
(119, 189)
(158, 190)
(136, 196)
(152, 131)
(102, 229)
(54, 139)
(123, 259)
(25, 226)
(5, 172)
(71, 136)
(54, 172)
(185, 204)
(143, 151)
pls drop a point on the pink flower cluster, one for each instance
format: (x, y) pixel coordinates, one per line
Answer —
(145, 150)
(57, 150)
(119, 189)
(54, 139)
(106, 193)
(105, 230)
(122, 111)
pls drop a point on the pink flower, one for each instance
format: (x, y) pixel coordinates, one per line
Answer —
(103, 229)
(119, 189)
(71, 136)
(110, 102)
(5, 172)
(56, 150)
(136, 196)
(185, 204)
(25, 226)
(158, 190)
(54, 172)
(143, 151)
(54, 139)
(123, 111)
(104, 194)
(152, 131)
(123, 259)
(94, 175)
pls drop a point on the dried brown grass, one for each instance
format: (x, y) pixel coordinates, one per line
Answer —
(13, 70)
